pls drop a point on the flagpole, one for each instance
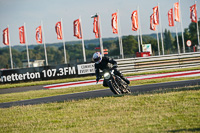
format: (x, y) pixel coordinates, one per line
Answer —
(158, 42)
(83, 45)
(26, 45)
(11, 59)
(182, 28)
(161, 33)
(100, 38)
(138, 41)
(119, 36)
(138, 31)
(45, 51)
(197, 27)
(178, 47)
(65, 57)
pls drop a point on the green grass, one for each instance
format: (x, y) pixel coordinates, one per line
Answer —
(171, 110)
(166, 110)
(10, 97)
(4, 86)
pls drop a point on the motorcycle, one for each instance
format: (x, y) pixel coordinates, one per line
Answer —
(116, 84)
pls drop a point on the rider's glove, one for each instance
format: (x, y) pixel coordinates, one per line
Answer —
(97, 79)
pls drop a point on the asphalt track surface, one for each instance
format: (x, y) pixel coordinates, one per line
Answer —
(94, 94)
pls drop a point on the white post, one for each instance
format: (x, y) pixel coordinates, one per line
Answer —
(158, 42)
(177, 41)
(138, 41)
(119, 36)
(26, 45)
(178, 47)
(161, 33)
(100, 38)
(45, 51)
(140, 28)
(11, 59)
(197, 27)
(65, 57)
(138, 31)
(182, 28)
(83, 45)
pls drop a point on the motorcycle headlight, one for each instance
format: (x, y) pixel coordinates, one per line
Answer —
(106, 75)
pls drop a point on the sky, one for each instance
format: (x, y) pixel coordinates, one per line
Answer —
(14, 13)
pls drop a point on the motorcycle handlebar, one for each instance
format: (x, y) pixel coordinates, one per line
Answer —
(101, 75)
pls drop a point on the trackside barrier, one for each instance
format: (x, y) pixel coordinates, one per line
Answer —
(151, 63)
(128, 65)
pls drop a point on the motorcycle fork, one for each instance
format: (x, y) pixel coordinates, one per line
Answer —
(121, 85)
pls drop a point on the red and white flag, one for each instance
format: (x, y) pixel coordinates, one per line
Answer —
(58, 28)
(96, 27)
(77, 29)
(22, 35)
(152, 25)
(134, 18)
(114, 23)
(6, 36)
(39, 34)
(170, 17)
(176, 12)
(193, 13)
(155, 15)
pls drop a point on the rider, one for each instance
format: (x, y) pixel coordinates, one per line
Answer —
(102, 63)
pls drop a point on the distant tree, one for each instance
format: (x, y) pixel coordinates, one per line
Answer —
(187, 34)
(168, 40)
(130, 45)
(112, 46)
(193, 32)
(38, 53)
(4, 58)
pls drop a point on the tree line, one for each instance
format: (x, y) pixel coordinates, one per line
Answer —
(75, 55)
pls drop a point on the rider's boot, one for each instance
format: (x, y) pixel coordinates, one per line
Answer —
(121, 76)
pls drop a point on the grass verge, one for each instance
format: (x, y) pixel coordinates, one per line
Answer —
(175, 110)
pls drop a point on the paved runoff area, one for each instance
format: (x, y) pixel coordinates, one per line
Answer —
(131, 78)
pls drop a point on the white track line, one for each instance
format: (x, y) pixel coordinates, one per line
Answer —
(131, 78)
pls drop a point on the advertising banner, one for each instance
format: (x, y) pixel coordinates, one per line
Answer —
(146, 48)
(46, 73)
(86, 69)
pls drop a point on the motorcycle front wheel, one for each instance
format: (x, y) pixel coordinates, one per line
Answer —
(123, 85)
(114, 87)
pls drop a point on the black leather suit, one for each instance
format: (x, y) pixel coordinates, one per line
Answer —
(104, 64)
